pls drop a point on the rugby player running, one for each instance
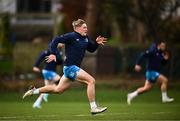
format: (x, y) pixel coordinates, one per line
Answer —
(76, 44)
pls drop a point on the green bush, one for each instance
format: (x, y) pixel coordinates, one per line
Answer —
(6, 47)
(25, 55)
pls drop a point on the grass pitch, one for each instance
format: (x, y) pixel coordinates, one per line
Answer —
(73, 105)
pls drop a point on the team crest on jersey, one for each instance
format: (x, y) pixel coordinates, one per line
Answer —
(86, 40)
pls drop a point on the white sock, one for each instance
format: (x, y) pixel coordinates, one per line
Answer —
(164, 94)
(39, 100)
(93, 105)
(46, 95)
(134, 94)
(36, 91)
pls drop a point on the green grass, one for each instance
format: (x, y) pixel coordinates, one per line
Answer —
(73, 105)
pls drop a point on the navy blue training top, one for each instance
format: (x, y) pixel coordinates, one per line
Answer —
(75, 47)
(48, 66)
(154, 58)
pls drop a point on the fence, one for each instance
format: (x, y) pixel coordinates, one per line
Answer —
(113, 60)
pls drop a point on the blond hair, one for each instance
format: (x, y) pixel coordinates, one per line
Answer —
(78, 23)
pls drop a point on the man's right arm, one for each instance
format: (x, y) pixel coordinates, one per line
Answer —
(66, 38)
(144, 55)
(141, 57)
(39, 60)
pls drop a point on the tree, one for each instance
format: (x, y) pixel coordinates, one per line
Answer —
(142, 16)
(93, 16)
(72, 10)
(153, 14)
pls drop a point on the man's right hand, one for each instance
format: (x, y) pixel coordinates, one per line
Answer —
(137, 68)
(36, 69)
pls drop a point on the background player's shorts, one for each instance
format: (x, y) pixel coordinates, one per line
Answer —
(71, 72)
(152, 76)
(48, 75)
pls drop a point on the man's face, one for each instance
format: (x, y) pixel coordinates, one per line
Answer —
(162, 46)
(82, 30)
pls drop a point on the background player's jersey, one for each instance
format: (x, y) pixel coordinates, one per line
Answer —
(75, 47)
(154, 58)
(51, 66)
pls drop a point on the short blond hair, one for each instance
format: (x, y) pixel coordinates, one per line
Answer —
(78, 23)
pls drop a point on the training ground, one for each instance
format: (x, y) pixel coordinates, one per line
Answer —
(73, 105)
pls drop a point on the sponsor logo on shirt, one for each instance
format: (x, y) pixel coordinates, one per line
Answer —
(72, 74)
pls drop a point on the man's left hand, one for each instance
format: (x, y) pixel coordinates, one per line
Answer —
(101, 40)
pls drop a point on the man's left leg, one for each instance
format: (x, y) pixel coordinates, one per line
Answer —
(164, 81)
(84, 77)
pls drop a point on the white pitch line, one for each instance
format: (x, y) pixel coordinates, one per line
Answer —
(19, 117)
(102, 114)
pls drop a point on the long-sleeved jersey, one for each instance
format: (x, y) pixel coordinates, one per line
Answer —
(48, 66)
(154, 57)
(75, 47)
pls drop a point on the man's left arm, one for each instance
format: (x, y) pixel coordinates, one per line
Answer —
(92, 46)
(165, 55)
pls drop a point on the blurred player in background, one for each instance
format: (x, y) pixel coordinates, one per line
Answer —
(157, 56)
(49, 72)
(76, 44)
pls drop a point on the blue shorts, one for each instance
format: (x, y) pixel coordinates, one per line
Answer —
(48, 75)
(71, 72)
(152, 76)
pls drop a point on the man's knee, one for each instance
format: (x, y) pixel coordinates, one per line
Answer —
(146, 88)
(58, 90)
(91, 81)
(165, 81)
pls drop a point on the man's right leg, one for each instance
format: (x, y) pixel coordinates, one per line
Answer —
(63, 84)
(37, 103)
(147, 86)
